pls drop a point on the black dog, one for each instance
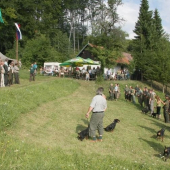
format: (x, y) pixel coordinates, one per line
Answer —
(83, 134)
(112, 126)
(153, 115)
(166, 152)
(160, 134)
(145, 110)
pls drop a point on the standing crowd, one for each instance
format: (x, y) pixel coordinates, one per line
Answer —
(117, 75)
(149, 101)
(9, 73)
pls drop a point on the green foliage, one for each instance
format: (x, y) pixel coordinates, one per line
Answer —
(63, 24)
(150, 46)
(40, 50)
(60, 42)
(38, 16)
(158, 25)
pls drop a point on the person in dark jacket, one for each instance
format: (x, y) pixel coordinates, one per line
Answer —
(32, 73)
(6, 72)
(166, 107)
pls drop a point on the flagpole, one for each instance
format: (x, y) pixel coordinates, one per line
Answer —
(17, 50)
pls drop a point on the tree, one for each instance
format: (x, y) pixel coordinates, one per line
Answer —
(7, 30)
(39, 49)
(161, 66)
(158, 25)
(38, 16)
(143, 41)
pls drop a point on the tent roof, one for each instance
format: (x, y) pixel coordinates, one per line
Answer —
(3, 57)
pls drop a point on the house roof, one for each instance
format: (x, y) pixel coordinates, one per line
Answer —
(125, 59)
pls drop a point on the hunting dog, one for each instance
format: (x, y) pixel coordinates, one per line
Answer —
(145, 110)
(166, 152)
(153, 115)
(112, 126)
(160, 134)
(83, 134)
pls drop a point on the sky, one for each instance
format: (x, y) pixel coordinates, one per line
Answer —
(129, 11)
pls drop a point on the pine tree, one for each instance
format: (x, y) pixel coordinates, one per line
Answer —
(143, 43)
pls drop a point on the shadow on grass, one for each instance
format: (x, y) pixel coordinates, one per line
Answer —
(156, 146)
(81, 127)
(86, 121)
(160, 124)
(149, 129)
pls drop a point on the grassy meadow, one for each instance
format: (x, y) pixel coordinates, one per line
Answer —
(39, 122)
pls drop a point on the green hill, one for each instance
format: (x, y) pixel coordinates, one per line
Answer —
(40, 120)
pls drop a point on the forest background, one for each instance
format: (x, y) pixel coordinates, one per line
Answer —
(57, 31)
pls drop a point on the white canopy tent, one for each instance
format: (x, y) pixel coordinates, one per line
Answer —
(3, 57)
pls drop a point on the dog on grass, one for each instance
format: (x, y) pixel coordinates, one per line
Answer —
(145, 110)
(153, 115)
(83, 134)
(166, 152)
(112, 126)
(160, 134)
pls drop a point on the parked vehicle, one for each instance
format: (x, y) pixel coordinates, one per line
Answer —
(51, 67)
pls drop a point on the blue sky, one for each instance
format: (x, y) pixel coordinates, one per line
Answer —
(130, 12)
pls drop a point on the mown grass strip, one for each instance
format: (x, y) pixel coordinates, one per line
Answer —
(14, 101)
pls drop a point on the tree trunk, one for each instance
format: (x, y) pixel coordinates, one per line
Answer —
(163, 89)
(74, 39)
(71, 26)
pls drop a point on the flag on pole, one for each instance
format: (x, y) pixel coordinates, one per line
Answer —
(18, 33)
(1, 20)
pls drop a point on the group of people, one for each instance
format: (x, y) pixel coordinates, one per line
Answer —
(9, 73)
(88, 73)
(148, 100)
(114, 91)
(117, 75)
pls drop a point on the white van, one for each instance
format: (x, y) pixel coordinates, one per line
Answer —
(49, 67)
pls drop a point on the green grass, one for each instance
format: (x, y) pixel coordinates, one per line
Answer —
(39, 129)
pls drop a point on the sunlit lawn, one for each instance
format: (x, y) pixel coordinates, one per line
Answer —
(39, 127)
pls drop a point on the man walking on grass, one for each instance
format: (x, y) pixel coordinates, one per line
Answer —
(98, 107)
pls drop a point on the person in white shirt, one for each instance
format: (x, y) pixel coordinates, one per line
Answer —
(2, 70)
(115, 92)
(87, 76)
(109, 72)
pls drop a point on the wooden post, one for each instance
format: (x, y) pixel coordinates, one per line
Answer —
(17, 50)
